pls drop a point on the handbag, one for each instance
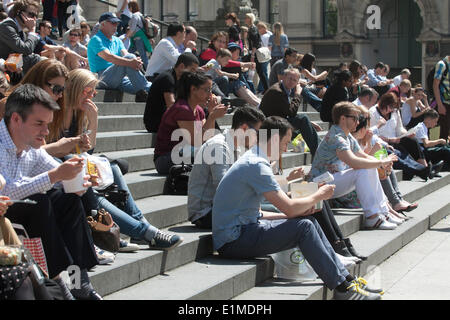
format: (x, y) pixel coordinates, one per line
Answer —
(177, 181)
(105, 232)
(115, 195)
(34, 247)
(263, 54)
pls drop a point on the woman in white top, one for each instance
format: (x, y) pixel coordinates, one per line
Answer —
(414, 108)
(264, 33)
(393, 131)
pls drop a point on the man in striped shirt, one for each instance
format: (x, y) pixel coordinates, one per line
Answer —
(58, 218)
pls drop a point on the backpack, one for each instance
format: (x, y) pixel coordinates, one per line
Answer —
(430, 81)
(150, 29)
(177, 181)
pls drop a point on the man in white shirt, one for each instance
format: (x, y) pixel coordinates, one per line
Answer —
(405, 74)
(166, 53)
(365, 98)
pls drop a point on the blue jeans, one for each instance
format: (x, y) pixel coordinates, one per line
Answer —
(123, 78)
(265, 71)
(268, 237)
(312, 99)
(140, 47)
(128, 220)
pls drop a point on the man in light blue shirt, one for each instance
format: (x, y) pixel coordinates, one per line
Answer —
(117, 69)
(239, 232)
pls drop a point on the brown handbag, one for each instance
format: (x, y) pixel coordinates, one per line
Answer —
(105, 232)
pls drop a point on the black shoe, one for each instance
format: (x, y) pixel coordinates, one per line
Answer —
(436, 168)
(92, 295)
(425, 173)
(141, 96)
(352, 250)
(340, 248)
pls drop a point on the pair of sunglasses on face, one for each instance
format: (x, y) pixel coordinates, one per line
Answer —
(56, 88)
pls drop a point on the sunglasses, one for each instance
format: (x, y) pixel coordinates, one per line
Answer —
(56, 88)
(356, 118)
(31, 14)
(74, 34)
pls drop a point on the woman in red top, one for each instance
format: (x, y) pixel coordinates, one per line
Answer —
(220, 41)
(194, 90)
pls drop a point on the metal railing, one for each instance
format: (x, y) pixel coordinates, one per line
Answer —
(203, 41)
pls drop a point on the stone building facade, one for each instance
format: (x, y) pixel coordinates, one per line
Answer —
(408, 33)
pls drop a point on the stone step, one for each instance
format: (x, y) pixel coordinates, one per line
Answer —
(124, 140)
(120, 108)
(376, 245)
(120, 123)
(197, 245)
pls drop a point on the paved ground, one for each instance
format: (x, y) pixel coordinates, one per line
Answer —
(420, 271)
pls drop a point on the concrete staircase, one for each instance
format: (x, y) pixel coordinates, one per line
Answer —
(192, 270)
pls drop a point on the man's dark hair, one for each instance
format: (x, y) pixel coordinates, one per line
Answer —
(42, 24)
(24, 97)
(341, 76)
(275, 123)
(380, 65)
(289, 52)
(174, 28)
(188, 59)
(433, 114)
(366, 92)
(247, 115)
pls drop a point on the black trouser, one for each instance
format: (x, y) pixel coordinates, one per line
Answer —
(302, 124)
(444, 123)
(328, 223)
(411, 146)
(437, 154)
(60, 221)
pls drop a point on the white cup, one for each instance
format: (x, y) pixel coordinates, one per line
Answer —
(2, 182)
(76, 184)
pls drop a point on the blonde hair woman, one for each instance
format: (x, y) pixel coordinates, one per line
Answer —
(80, 113)
(278, 43)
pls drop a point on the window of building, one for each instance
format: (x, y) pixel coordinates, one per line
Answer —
(330, 18)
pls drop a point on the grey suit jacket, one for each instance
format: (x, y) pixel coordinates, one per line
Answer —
(10, 41)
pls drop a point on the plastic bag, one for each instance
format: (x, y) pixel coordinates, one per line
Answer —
(101, 167)
(291, 264)
(14, 61)
(300, 145)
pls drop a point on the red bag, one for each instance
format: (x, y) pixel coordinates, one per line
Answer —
(34, 245)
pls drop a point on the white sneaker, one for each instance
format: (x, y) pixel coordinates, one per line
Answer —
(378, 223)
(126, 246)
(393, 219)
(103, 256)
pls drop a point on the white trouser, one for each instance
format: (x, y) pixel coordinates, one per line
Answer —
(368, 188)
